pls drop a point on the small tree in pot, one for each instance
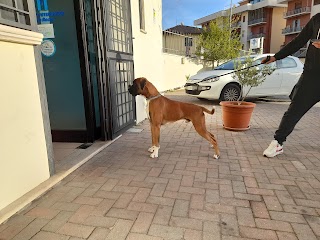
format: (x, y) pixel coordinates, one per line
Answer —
(236, 115)
(250, 75)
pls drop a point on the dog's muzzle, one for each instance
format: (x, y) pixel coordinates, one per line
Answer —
(133, 90)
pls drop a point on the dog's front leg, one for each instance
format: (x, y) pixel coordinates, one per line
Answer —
(154, 149)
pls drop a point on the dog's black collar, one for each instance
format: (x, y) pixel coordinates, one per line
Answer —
(151, 98)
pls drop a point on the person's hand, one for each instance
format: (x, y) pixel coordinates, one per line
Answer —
(316, 44)
(265, 60)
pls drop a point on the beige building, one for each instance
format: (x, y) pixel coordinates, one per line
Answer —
(181, 40)
(260, 23)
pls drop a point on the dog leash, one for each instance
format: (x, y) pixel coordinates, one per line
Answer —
(267, 60)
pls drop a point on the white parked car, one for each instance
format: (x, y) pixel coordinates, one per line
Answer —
(225, 88)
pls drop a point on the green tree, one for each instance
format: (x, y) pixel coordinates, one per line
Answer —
(250, 74)
(218, 42)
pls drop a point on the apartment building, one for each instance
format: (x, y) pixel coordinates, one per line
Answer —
(259, 23)
(297, 15)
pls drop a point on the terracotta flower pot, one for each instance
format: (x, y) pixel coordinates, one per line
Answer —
(236, 117)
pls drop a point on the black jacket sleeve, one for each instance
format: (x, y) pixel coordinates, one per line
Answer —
(298, 42)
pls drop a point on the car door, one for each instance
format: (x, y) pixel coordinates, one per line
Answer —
(272, 83)
(291, 71)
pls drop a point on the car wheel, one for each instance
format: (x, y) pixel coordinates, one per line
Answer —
(230, 92)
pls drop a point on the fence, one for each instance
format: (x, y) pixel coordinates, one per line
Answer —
(178, 44)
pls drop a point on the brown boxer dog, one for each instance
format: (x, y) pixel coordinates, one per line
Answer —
(163, 110)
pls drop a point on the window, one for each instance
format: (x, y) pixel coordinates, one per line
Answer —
(141, 15)
(316, 2)
(286, 63)
(188, 42)
(243, 18)
(258, 61)
(16, 13)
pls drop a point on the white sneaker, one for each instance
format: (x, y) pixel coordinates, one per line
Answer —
(273, 150)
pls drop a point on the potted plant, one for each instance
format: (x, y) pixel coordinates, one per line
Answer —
(236, 115)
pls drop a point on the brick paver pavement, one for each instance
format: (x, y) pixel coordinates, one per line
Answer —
(186, 194)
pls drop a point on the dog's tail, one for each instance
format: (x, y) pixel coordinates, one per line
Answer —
(208, 111)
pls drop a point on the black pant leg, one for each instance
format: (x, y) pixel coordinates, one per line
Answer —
(304, 97)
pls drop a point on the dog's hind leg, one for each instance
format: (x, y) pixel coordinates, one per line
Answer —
(200, 127)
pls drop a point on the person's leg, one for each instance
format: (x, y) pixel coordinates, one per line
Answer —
(304, 96)
(291, 117)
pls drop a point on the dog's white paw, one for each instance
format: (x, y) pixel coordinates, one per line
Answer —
(215, 156)
(151, 149)
(155, 151)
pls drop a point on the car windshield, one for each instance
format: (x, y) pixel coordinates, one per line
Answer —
(230, 64)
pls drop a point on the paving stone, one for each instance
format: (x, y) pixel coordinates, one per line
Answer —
(142, 207)
(259, 210)
(142, 223)
(286, 236)
(303, 232)
(197, 201)
(272, 203)
(181, 208)
(32, 229)
(287, 217)
(245, 217)
(49, 236)
(166, 232)
(273, 225)
(256, 233)
(136, 236)
(99, 234)
(120, 230)
(76, 230)
(41, 212)
(162, 215)
(160, 201)
(190, 234)
(57, 222)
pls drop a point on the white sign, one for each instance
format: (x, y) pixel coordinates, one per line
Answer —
(254, 43)
(48, 48)
(47, 30)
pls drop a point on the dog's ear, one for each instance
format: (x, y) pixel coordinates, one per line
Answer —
(143, 83)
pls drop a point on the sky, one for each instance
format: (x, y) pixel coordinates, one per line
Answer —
(175, 12)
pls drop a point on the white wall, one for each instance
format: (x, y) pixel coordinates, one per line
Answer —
(147, 47)
(176, 68)
(165, 71)
(23, 152)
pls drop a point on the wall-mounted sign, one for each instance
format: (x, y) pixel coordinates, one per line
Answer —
(48, 48)
(254, 43)
(47, 30)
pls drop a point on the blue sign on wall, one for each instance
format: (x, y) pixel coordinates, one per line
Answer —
(43, 14)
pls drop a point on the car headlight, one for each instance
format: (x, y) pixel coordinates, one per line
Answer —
(211, 79)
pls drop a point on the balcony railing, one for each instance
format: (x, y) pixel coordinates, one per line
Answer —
(257, 21)
(292, 30)
(257, 35)
(178, 44)
(297, 12)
